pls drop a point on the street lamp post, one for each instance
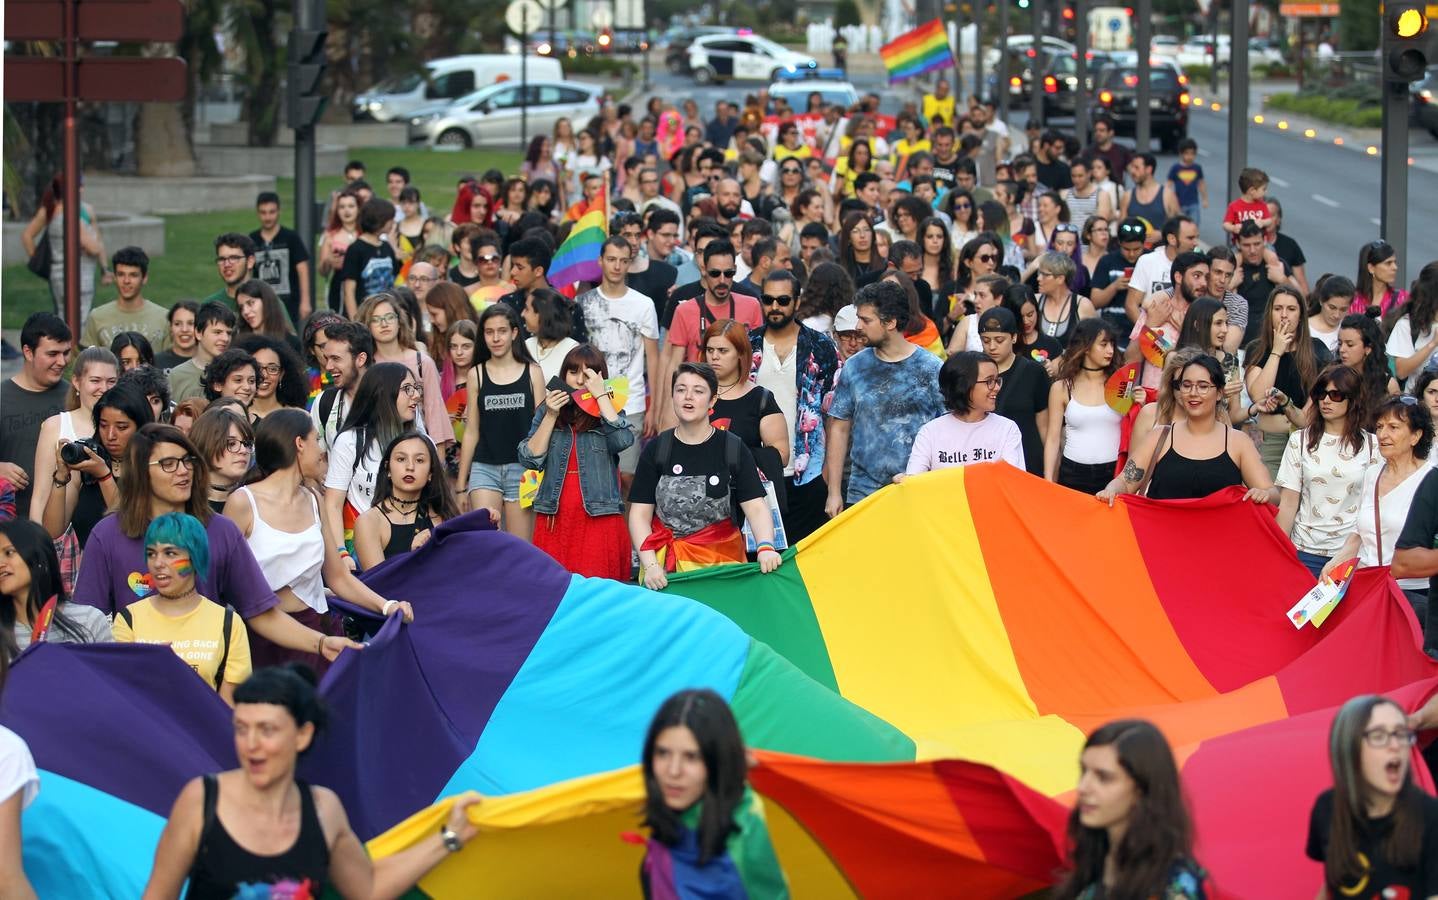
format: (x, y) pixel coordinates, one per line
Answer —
(1143, 43)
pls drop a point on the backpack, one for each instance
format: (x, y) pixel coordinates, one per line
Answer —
(664, 452)
(124, 613)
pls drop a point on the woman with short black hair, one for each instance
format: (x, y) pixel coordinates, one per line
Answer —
(969, 432)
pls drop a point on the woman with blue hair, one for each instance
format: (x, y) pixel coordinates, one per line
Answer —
(210, 638)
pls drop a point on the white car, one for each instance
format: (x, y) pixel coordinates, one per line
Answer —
(491, 115)
(1198, 51)
(746, 57)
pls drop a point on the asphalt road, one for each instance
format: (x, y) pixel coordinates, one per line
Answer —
(1330, 194)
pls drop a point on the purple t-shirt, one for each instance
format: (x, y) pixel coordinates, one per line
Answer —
(235, 578)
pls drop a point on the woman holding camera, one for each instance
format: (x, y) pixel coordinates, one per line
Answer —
(95, 372)
(82, 502)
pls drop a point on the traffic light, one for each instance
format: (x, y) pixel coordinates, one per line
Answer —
(1405, 56)
(304, 100)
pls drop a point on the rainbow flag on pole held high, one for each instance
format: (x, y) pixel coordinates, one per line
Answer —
(925, 49)
(917, 680)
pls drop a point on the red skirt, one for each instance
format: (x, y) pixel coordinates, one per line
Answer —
(594, 546)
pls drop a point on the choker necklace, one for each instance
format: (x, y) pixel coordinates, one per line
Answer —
(1094, 368)
(724, 390)
(400, 502)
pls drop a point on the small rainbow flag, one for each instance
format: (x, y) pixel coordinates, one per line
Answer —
(925, 49)
(577, 259)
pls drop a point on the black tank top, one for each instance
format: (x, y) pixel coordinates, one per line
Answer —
(504, 414)
(401, 534)
(221, 865)
(1178, 477)
(90, 508)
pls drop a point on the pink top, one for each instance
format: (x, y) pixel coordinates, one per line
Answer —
(687, 330)
(1391, 299)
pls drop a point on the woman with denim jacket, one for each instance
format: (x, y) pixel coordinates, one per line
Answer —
(579, 507)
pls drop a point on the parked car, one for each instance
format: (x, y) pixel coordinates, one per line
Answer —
(676, 51)
(444, 81)
(748, 57)
(1198, 51)
(1168, 102)
(491, 116)
(1425, 101)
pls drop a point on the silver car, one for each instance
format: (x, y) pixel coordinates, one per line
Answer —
(491, 115)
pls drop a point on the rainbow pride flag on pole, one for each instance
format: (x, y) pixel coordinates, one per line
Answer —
(925, 49)
(577, 259)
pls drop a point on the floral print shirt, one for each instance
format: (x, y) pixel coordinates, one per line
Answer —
(817, 372)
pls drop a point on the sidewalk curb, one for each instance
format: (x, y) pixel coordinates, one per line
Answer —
(1363, 141)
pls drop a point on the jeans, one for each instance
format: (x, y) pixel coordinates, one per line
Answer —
(1313, 562)
(1194, 212)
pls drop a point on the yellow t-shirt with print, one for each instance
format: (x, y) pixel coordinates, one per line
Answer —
(933, 106)
(902, 149)
(803, 151)
(197, 637)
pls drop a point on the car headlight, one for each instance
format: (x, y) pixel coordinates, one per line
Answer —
(424, 120)
(374, 106)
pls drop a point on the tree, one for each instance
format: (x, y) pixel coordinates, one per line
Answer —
(1358, 25)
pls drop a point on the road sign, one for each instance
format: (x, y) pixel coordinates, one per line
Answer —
(159, 79)
(601, 18)
(524, 16)
(121, 20)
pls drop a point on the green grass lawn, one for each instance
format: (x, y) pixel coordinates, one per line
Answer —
(187, 270)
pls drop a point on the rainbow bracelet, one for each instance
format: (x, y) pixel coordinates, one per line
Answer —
(764, 545)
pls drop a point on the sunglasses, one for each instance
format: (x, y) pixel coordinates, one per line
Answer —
(1334, 396)
(488, 258)
(722, 273)
(986, 257)
(777, 299)
(791, 170)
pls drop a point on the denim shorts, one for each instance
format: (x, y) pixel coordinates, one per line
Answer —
(503, 479)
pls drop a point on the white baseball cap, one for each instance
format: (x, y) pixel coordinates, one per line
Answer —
(847, 319)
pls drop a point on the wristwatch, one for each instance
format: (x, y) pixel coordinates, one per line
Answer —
(450, 839)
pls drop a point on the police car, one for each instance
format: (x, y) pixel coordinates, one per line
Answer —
(746, 57)
(797, 86)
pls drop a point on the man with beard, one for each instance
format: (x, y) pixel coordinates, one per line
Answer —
(347, 353)
(1164, 310)
(729, 198)
(235, 261)
(1260, 271)
(1151, 272)
(719, 301)
(623, 326)
(800, 366)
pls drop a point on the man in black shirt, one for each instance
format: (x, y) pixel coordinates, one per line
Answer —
(946, 157)
(1109, 286)
(1286, 247)
(651, 277)
(281, 260)
(37, 392)
(1052, 167)
(1260, 271)
(1416, 553)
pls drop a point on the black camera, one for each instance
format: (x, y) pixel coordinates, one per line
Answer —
(74, 454)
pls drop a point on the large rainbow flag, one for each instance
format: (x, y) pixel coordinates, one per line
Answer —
(913, 53)
(919, 676)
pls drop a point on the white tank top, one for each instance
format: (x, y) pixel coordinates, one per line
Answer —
(67, 426)
(1091, 433)
(289, 559)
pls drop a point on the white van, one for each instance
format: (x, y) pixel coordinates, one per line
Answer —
(447, 79)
